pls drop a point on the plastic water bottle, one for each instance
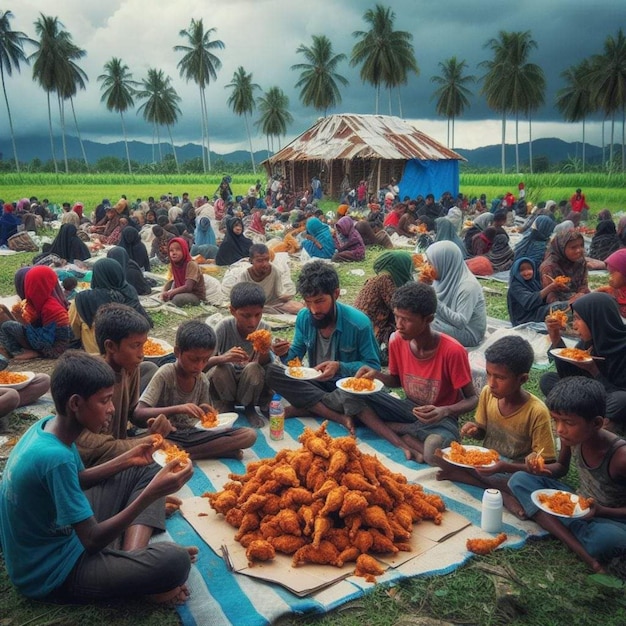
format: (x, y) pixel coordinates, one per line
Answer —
(277, 418)
(491, 516)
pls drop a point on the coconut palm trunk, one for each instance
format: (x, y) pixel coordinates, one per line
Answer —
(516, 142)
(245, 119)
(80, 139)
(63, 143)
(169, 130)
(583, 144)
(6, 99)
(203, 130)
(503, 158)
(130, 169)
(208, 137)
(54, 158)
(530, 143)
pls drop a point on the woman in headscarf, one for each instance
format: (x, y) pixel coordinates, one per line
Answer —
(616, 264)
(8, 223)
(107, 285)
(46, 331)
(605, 240)
(371, 229)
(131, 242)
(159, 250)
(67, 245)
(204, 239)
(455, 215)
(393, 269)
(132, 272)
(501, 254)
(482, 242)
(563, 227)
(574, 217)
(535, 240)
(112, 229)
(525, 297)
(446, 231)
(461, 311)
(185, 282)
(235, 245)
(348, 241)
(621, 230)
(480, 223)
(566, 257)
(318, 240)
(601, 330)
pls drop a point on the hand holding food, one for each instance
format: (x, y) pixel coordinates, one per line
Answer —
(236, 355)
(558, 317)
(209, 419)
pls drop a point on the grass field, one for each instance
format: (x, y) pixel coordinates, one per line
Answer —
(548, 585)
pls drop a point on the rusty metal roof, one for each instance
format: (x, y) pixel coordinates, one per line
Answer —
(349, 136)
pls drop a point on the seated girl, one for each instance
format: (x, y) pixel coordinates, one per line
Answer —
(235, 245)
(185, 284)
(616, 264)
(132, 272)
(348, 241)
(605, 240)
(317, 239)
(535, 240)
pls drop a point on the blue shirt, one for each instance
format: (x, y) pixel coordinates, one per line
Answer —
(353, 340)
(40, 500)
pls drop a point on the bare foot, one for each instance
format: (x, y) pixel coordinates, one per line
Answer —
(172, 504)
(193, 553)
(233, 454)
(26, 355)
(294, 411)
(173, 597)
(348, 423)
(415, 447)
(255, 420)
(512, 504)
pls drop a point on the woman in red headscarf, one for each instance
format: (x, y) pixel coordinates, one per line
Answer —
(185, 284)
(46, 331)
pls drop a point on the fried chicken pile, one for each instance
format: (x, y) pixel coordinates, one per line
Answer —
(326, 503)
(485, 546)
(261, 340)
(562, 502)
(427, 274)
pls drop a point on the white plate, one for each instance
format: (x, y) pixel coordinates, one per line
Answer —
(308, 373)
(159, 457)
(169, 349)
(446, 453)
(557, 353)
(18, 386)
(578, 512)
(225, 421)
(378, 385)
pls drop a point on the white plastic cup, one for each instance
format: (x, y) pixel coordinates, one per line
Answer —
(491, 515)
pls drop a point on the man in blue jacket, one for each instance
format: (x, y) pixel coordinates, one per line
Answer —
(337, 340)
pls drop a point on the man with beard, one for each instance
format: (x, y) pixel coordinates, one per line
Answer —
(337, 339)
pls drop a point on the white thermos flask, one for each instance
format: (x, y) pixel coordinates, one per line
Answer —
(491, 516)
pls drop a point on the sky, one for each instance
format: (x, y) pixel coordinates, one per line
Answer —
(263, 35)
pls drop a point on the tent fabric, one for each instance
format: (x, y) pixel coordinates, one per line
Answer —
(427, 176)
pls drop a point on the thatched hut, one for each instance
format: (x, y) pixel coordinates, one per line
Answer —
(375, 148)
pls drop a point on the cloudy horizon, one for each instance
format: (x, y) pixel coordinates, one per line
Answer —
(262, 36)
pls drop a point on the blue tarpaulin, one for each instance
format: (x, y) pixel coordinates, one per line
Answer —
(424, 177)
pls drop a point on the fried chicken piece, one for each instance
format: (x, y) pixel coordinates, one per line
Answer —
(381, 544)
(324, 554)
(286, 475)
(231, 485)
(223, 501)
(234, 517)
(295, 496)
(369, 464)
(399, 532)
(249, 488)
(347, 444)
(254, 503)
(338, 537)
(485, 546)
(353, 523)
(321, 526)
(434, 500)
(338, 461)
(375, 517)
(392, 488)
(288, 544)
(325, 489)
(363, 540)
(308, 514)
(368, 567)
(355, 481)
(270, 486)
(334, 500)
(269, 528)
(354, 502)
(318, 446)
(349, 555)
(316, 473)
(249, 522)
(403, 547)
(289, 522)
(380, 497)
(260, 550)
(261, 340)
(403, 514)
(301, 464)
(248, 538)
(272, 504)
(264, 473)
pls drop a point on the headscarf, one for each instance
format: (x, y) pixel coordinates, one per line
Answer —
(574, 217)
(179, 270)
(556, 263)
(342, 210)
(621, 230)
(501, 254)
(605, 214)
(8, 224)
(455, 215)
(321, 232)
(204, 233)
(563, 227)
(483, 221)
(533, 243)
(112, 224)
(616, 261)
(446, 231)
(608, 334)
(257, 224)
(131, 242)
(40, 284)
(234, 247)
(107, 285)
(398, 264)
(78, 209)
(220, 209)
(67, 245)
(605, 240)
(344, 228)
(18, 281)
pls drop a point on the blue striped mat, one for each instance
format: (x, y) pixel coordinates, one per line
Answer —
(222, 598)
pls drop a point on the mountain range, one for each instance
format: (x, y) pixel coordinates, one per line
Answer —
(29, 148)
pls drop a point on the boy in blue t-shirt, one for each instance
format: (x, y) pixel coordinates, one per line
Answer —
(59, 520)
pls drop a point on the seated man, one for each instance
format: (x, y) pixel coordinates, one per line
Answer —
(337, 339)
(264, 273)
(433, 370)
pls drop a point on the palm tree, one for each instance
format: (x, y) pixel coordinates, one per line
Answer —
(608, 77)
(161, 105)
(575, 101)
(275, 117)
(11, 55)
(200, 64)
(318, 78)
(386, 56)
(241, 101)
(511, 84)
(452, 94)
(118, 88)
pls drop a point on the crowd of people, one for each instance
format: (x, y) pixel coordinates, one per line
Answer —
(80, 480)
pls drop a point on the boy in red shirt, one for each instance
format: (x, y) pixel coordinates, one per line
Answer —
(434, 371)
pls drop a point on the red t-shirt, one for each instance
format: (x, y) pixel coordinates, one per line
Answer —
(392, 219)
(437, 380)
